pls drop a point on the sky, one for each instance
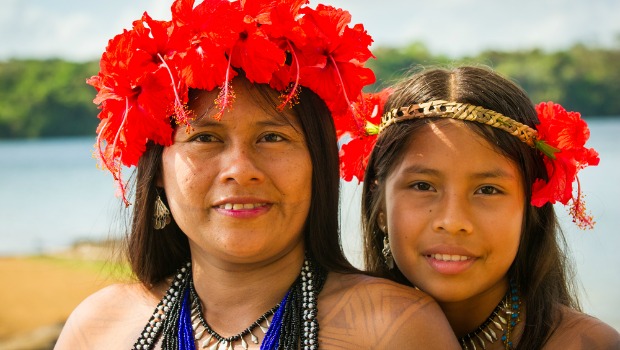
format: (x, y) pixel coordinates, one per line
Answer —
(78, 30)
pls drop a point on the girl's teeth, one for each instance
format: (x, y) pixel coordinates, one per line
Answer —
(447, 257)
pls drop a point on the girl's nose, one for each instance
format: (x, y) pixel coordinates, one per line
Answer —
(453, 215)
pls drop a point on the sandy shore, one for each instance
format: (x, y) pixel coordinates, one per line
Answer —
(38, 293)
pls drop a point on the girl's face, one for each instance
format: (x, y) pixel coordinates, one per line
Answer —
(239, 188)
(454, 209)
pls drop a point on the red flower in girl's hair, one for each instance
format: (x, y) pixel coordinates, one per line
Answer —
(354, 154)
(567, 134)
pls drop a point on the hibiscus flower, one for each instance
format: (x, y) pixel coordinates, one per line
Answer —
(567, 134)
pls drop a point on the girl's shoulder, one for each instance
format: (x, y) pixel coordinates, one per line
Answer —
(111, 318)
(578, 330)
(357, 311)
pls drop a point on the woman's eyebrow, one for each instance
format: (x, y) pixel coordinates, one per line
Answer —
(207, 121)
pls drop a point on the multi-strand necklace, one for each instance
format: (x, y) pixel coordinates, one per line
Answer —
(201, 326)
(504, 318)
(179, 317)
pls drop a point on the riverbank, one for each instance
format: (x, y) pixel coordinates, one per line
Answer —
(39, 292)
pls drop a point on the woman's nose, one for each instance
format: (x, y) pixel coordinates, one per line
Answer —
(240, 164)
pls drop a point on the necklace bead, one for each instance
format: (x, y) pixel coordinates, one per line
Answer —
(509, 306)
(178, 317)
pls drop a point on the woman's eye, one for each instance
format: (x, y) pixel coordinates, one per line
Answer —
(272, 138)
(422, 186)
(205, 138)
(488, 190)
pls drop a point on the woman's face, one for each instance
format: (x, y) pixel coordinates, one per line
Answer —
(239, 188)
(454, 209)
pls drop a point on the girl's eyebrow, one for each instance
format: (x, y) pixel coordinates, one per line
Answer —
(495, 173)
(418, 169)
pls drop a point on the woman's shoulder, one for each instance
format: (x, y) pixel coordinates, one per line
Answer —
(359, 285)
(360, 311)
(578, 330)
(112, 317)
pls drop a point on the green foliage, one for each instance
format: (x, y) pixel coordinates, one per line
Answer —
(581, 79)
(45, 98)
(394, 63)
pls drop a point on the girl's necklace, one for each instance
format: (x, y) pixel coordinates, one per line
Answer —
(504, 318)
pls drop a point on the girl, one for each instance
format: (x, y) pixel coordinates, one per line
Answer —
(458, 201)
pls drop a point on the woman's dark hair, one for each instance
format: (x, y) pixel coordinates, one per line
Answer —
(156, 254)
(541, 267)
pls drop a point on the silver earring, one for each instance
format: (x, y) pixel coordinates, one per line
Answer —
(161, 214)
(387, 253)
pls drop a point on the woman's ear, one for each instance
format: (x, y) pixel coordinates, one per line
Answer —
(159, 173)
(381, 220)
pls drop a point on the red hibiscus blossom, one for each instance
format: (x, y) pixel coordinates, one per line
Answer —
(354, 155)
(334, 56)
(567, 133)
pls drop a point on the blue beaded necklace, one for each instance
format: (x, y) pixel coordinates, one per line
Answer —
(178, 317)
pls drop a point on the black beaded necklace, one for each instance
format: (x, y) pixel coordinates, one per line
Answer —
(201, 326)
(300, 308)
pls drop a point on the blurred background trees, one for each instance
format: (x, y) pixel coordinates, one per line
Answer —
(49, 98)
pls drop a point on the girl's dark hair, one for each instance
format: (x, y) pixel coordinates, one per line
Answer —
(156, 254)
(541, 267)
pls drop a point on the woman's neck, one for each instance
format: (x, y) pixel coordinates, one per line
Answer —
(234, 296)
(466, 315)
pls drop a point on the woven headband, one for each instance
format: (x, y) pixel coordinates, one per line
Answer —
(560, 136)
(461, 111)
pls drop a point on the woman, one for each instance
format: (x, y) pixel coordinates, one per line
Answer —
(458, 201)
(234, 238)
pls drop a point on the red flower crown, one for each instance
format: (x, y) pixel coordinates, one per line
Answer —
(560, 136)
(145, 72)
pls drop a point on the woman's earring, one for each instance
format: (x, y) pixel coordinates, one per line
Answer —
(161, 214)
(387, 253)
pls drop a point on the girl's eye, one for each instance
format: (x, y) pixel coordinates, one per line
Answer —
(272, 137)
(487, 190)
(205, 138)
(422, 186)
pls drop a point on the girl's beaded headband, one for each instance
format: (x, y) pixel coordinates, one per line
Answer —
(462, 111)
(560, 136)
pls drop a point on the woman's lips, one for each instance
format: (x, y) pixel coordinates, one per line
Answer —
(243, 209)
(240, 206)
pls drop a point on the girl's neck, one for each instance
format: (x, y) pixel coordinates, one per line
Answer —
(234, 296)
(467, 315)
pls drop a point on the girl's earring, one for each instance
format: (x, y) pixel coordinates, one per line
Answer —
(161, 214)
(387, 252)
